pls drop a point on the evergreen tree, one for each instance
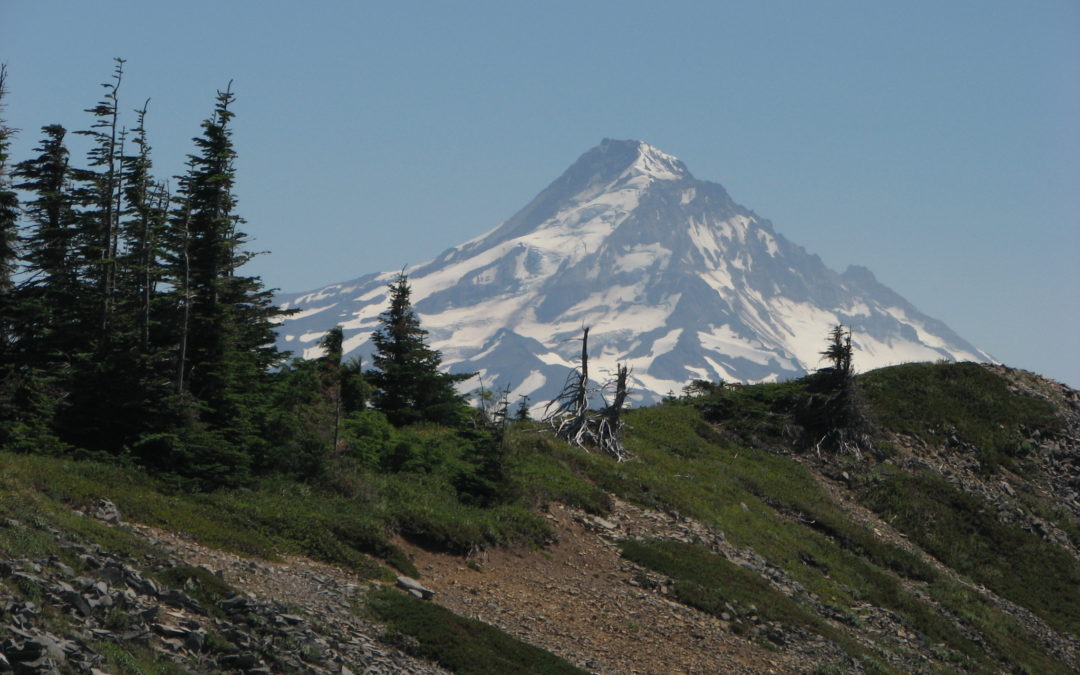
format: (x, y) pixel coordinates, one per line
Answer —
(838, 354)
(521, 413)
(305, 420)
(101, 196)
(231, 335)
(48, 314)
(140, 267)
(9, 224)
(330, 379)
(834, 414)
(223, 329)
(120, 390)
(355, 389)
(9, 236)
(50, 303)
(408, 385)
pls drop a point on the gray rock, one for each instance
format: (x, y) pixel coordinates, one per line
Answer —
(241, 661)
(167, 631)
(234, 604)
(178, 598)
(195, 640)
(78, 601)
(105, 510)
(113, 573)
(415, 587)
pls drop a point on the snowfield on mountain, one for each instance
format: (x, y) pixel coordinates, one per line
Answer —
(673, 278)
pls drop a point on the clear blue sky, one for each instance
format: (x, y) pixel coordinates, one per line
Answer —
(935, 142)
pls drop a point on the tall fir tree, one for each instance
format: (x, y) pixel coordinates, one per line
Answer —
(409, 387)
(231, 339)
(9, 223)
(9, 259)
(141, 268)
(49, 313)
(223, 326)
(101, 195)
(51, 308)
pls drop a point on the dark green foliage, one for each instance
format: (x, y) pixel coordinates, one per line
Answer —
(368, 436)
(9, 260)
(46, 316)
(229, 334)
(9, 232)
(408, 385)
(708, 581)
(307, 422)
(756, 414)
(962, 405)
(521, 413)
(833, 415)
(356, 391)
(99, 195)
(963, 531)
(461, 645)
(543, 471)
(50, 315)
(469, 459)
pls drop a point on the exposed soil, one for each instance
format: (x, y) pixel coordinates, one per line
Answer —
(578, 598)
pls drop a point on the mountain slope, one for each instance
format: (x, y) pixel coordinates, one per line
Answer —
(717, 548)
(672, 276)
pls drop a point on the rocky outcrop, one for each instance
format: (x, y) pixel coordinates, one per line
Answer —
(59, 614)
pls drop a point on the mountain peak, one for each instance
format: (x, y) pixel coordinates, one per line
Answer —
(641, 158)
(675, 279)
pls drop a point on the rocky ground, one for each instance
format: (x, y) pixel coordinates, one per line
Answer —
(292, 616)
(577, 598)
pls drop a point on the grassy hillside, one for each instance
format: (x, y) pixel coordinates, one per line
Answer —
(920, 536)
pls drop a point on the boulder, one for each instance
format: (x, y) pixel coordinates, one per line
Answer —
(415, 588)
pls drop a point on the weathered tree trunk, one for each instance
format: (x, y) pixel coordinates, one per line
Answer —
(609, 423)
(571, 419)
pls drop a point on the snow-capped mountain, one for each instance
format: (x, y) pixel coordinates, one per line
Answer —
(673, 278)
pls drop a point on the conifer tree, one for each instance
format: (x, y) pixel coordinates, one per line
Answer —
(120, 392)
(48, 316)
(224, 324)
(101, 194)
(834, 414)
(140, 267)
(9, 236)
(9, 224)
(330, 377)
(50, 303)
(408, 385)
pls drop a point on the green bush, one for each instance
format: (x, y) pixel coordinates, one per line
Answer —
(367, 436)
(461, 645)
(943, 403)
(962, 530)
